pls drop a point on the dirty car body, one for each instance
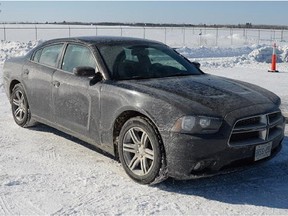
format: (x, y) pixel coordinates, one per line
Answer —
(146, 104)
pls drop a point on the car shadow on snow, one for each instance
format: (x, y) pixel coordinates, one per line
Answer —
(265, 184)
(47, 129)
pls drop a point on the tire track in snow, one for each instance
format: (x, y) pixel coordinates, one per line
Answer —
(46, 148)
(25, 207)
(5, 207)
(77, 205)
(7, 141)
(48, 151)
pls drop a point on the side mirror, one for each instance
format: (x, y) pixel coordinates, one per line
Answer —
(196, 64)
(84, 71)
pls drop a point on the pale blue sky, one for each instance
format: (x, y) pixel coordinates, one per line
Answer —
(192, 12)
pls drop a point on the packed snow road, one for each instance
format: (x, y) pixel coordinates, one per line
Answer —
(44, 171)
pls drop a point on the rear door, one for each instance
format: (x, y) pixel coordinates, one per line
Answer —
(72, 97)
(37, 76)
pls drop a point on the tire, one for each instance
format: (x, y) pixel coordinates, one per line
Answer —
(140, 151)
(20, 107)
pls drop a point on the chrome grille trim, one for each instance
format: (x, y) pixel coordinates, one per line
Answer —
(256, 129)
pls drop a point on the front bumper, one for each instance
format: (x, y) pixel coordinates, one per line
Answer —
(189, 156)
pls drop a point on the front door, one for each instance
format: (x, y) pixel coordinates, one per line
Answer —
(72, 94)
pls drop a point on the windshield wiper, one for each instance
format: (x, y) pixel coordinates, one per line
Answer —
(179, 74)
(134, 77)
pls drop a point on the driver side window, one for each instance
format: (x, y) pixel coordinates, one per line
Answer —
(77, 55)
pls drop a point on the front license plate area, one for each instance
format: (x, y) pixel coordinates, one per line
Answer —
(263, 151)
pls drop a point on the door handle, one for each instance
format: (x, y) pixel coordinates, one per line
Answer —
(26, 72)
(56, 84)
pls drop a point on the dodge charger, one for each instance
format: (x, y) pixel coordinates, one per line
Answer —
(145, 104)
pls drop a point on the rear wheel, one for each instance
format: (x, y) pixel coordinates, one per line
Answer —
(140, 150)
(20, 107)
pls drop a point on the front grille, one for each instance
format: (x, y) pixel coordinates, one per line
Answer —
(256, 129)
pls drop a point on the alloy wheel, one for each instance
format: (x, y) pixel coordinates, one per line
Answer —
(137, 151)
(19, 106)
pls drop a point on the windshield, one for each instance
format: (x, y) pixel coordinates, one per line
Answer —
(145, 61)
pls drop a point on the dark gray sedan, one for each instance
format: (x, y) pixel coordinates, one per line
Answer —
(147, 105)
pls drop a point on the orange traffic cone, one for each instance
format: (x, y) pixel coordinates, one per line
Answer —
(274, 60)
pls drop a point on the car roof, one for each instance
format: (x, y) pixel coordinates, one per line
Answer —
(98, 40)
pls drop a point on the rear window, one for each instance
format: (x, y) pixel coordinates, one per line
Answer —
(49, 55)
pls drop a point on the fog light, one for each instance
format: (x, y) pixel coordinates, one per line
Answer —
(199, 166)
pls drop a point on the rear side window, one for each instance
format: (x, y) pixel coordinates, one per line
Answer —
(77, 55)
(50, 54)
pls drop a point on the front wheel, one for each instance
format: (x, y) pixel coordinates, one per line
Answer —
(140, 150)
(20, 107)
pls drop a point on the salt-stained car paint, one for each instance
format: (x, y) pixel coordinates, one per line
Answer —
(90, 112)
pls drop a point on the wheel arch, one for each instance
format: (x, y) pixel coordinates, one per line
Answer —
(28, 122)
(124, 117)
(12, 85)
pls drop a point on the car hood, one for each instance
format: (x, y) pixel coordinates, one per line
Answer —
(217, 94)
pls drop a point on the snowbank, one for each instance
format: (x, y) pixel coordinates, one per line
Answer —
(10, 49)
(219, 57)
(263, 54)
(214, 52)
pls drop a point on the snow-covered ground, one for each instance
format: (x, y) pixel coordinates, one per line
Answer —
(44, 171)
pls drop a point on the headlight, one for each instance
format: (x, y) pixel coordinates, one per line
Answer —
(197, 125)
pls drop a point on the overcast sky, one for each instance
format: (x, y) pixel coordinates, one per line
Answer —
(189, 12)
